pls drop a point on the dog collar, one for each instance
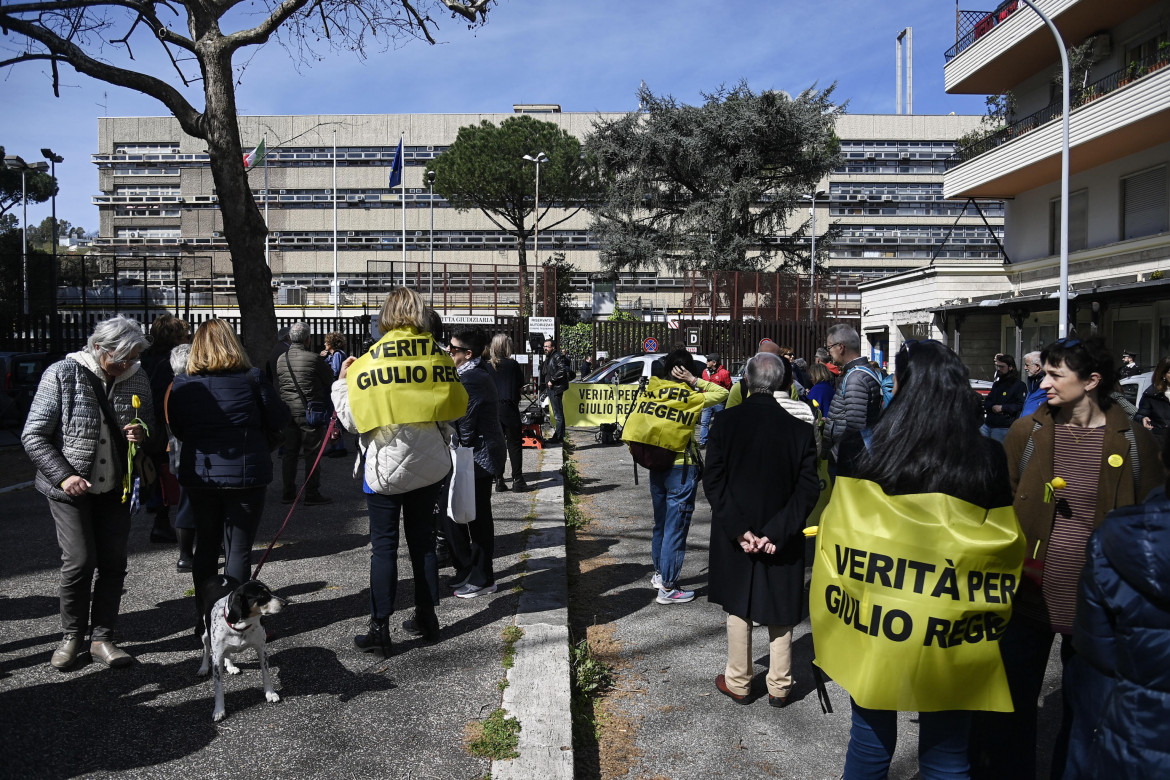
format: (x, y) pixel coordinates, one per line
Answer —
(241, 629)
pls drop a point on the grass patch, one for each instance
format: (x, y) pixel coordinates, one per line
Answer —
(575, 519)
(572, 476)
(589, 678)
(498, 737)
(189, 592)
(511, 636)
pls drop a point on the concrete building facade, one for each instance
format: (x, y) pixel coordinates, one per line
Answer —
(1119, 212)
(156, 197)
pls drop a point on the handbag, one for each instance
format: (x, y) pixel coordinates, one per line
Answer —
(317, 413)
(461, 493)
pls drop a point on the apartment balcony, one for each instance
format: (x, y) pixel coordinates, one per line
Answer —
(996, 50)
(1123, 113)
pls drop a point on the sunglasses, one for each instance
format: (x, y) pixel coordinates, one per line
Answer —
(457, 348)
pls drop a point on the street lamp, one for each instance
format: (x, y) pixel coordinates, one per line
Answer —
(431, 185)
(1062, 331)
(540, 157)
(812, 257)
(53, 159)
(15, 163)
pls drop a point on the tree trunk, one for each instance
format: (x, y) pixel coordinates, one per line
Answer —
(243, 224)
(522, 259)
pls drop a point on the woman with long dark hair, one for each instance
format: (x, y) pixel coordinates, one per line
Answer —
(1104, 461)
(927, 441)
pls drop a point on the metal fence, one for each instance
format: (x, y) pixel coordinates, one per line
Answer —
(770, 295)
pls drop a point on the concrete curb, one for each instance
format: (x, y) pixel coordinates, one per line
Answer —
(538, 683)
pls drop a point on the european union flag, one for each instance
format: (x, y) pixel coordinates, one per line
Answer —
(396, 167)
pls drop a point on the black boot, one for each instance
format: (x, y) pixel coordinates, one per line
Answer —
(376, 639)
(501, 486)
(186, 549)
(161, 532)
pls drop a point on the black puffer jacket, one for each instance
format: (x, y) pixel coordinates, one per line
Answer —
(1118, 679)
(858, 402)
(222, 420)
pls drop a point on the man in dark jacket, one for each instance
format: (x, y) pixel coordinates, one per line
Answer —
(858, 401)
(556, 375)
(761, 480)
(1003, 404)
(302, 376)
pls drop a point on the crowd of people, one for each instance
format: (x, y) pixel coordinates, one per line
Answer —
(1053, 472)
(1051, 486)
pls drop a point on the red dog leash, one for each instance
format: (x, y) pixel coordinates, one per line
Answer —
(297, 500)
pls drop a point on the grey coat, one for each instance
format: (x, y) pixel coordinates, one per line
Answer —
(857, 404)
(64, 423)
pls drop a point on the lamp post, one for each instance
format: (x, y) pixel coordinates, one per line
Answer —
(538, 159)
(1062, 331)
(431, 185)
(15, 163)
(812, 256)
(53, 159)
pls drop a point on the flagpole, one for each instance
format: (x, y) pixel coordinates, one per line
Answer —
(268, 230)
(402, 181)
(336, 296)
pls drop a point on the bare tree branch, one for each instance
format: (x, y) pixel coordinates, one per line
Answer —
(263, 31)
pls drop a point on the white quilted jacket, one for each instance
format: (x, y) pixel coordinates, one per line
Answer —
(399, 458)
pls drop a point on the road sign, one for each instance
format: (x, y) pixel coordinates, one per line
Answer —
(649, 344)
(672, 324)
(693, 337)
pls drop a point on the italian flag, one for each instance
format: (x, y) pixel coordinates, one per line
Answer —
(255, 157)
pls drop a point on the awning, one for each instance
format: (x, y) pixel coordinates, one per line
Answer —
(1129, 292)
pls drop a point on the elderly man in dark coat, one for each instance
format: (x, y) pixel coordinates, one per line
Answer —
(761, 480)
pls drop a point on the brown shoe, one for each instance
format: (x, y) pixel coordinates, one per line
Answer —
(109, 654)
(738, 698)
(65, 656)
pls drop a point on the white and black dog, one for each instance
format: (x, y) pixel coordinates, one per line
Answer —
(231, 625)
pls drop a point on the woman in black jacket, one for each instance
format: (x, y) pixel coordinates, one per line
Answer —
(509, 380)
(473, 545)
(1003, 404)
(1154, 409)
(225, 413)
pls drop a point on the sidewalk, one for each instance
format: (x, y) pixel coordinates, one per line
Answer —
(342, 712)
(684, 728)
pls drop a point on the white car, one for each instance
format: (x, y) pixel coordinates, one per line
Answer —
(1133, 387)
(630, 369)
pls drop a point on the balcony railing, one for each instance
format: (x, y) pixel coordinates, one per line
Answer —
(1078, 96)
(973, 25)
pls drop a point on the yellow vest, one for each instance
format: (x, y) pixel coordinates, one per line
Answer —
(664, 415)
(910, 595)
(405, 378)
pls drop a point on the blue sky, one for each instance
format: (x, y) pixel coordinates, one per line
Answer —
(587, 56)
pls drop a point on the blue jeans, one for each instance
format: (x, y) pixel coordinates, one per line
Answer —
(999, 434)
(705, 421)
(942, 744)
(673, 494)
(416, 509)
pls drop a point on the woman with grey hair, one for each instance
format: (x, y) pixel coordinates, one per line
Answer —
(77, 435)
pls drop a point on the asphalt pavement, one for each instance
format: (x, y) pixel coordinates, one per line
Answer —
(342, 713)
(685, 729)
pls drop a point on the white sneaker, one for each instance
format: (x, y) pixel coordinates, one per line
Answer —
(656, 581)
(674, 596)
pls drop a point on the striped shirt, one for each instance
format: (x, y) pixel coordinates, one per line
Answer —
(1077, 460)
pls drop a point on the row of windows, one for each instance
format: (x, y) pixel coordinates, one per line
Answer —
(148, 233)
(130, 211)
(1143, 211)
(891, 167)
(161, 190)
(932, 210)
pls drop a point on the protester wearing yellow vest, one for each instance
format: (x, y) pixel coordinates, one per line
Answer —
(917, 563)
(399, 397)
(665, 415)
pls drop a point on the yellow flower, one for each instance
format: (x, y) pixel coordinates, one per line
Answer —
(1058, 483)
(811, 530)
(1116, 460)
(136, 401)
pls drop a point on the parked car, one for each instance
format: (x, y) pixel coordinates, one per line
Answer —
(630, 369)
(981, 386)
(1132, 387)
(20, 373)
